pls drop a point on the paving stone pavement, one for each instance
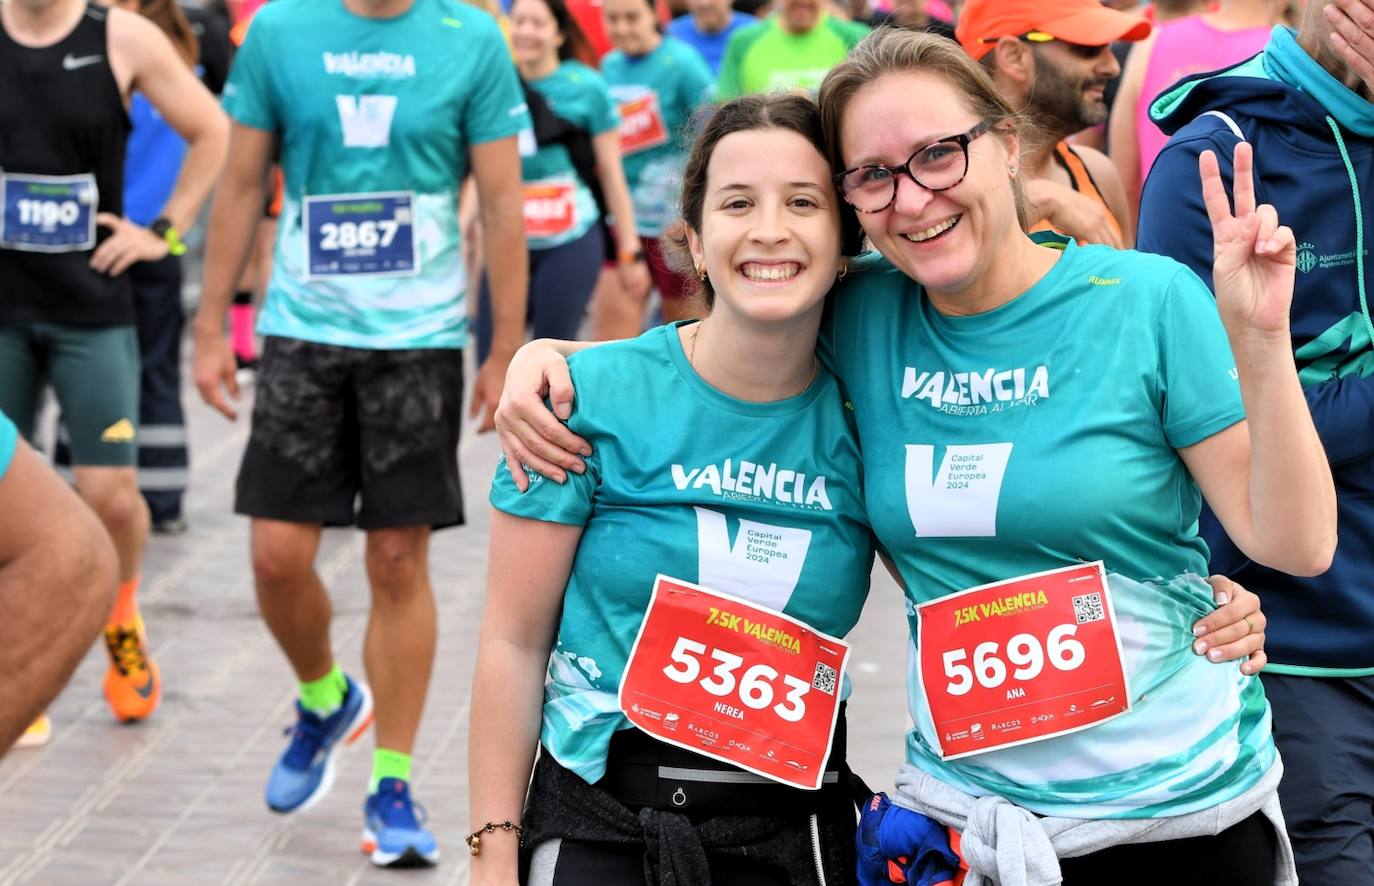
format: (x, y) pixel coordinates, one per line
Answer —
(178, 800)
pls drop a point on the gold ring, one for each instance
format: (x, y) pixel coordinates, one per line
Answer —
(1250, 624)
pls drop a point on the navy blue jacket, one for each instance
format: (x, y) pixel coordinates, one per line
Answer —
(1321, 626)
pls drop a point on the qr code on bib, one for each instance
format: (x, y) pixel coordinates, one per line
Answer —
(1088, 608)
(825, 678)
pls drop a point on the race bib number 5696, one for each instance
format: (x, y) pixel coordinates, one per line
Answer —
(735, 681)
(1021, 660)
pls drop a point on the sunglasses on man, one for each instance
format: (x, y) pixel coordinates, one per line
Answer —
(1081, 50)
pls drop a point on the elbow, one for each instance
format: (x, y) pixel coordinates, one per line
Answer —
(1322, 553)
(1302, 557)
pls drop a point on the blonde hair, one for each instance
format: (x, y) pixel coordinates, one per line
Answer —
(893, 50)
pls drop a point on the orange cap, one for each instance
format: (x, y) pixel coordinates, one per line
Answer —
(1086, 22)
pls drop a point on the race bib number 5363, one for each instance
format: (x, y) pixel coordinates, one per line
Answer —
(1021, 660)
(736, 682)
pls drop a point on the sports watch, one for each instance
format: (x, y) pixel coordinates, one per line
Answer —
(164, 228)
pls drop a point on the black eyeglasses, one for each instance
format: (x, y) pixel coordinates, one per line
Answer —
(938, 166)
(1082, 50)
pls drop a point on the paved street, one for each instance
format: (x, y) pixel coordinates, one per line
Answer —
(178, 800)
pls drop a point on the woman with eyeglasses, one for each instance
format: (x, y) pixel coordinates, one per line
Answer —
(1028, 410)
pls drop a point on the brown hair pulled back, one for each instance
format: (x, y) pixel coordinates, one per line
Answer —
(786, 111)
(893, 50)
(173, 22)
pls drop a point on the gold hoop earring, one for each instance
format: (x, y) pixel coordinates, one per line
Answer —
(701, 273)
(844, 268)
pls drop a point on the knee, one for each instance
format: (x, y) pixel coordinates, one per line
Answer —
(395, 559)
(119, 505)
(280, 561)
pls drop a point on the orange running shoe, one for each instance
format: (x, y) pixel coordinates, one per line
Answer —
(37, 735)
(133, 686)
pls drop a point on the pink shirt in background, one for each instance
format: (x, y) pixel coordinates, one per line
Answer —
(1182, 47)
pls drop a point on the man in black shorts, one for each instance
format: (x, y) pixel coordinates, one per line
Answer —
(381, 108)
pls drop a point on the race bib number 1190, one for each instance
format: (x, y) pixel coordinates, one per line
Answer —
(736, 682)
(1021, 660)
(48, 213)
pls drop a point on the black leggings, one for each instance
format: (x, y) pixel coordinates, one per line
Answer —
(1241, 855)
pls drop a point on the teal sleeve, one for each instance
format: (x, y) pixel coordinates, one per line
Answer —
(569, 503)
(497, 109)
(604, 113)
(249, 96)
(1197, 372)
(696, 84)
(9, 441)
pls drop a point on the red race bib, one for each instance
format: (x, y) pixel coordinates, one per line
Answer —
(641, 124)
(1021, 660)
(736, 682)
(549, 209)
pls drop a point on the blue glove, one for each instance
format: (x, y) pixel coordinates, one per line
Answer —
(897, 845)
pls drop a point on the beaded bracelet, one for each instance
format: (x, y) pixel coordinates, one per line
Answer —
(474, 839)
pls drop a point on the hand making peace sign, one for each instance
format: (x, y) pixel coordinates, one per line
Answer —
(1253, 257)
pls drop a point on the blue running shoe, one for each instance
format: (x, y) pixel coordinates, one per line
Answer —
(305, 771)
(392, 834)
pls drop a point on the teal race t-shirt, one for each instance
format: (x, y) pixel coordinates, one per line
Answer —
(9, 441)
(657, 93)
(379, 115)
(759, 500)
(579, 95)
(1039, 435)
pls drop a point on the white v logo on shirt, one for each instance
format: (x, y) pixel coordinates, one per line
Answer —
(961, 502)
(366, 119)
(763, 566)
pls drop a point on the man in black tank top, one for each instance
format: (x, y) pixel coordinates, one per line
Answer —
(66, 309)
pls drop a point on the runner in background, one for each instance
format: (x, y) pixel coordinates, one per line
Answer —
(1210, 41)
(1052, 62)
(791, 50)
(575, 159)
(658, 83)
(707, 28)
(57, 577)
(379, 106)
(67, 309)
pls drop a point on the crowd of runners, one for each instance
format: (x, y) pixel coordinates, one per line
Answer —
(1054, 308)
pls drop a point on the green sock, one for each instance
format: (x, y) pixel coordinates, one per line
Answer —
(325, 695)
(388, 764)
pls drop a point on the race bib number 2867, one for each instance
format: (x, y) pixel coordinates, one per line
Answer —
(736, 682)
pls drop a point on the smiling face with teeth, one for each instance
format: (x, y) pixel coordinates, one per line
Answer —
(770, 229)
(956, 242)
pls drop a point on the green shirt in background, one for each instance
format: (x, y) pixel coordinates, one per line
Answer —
(765, 58)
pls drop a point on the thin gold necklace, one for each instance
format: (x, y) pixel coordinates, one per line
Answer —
(692, 357)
